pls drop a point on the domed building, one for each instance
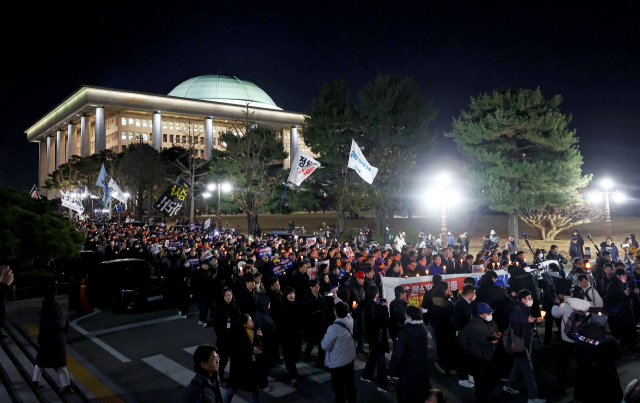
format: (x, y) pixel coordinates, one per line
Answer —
(193, 114)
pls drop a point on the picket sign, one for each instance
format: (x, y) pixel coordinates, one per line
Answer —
(477, 268)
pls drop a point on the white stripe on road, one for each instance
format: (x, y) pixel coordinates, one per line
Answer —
(279, 388)
(108, 348)
(179, 373)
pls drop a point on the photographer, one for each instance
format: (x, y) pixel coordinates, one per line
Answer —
(478, 339)
(554, 255)
(617, 302)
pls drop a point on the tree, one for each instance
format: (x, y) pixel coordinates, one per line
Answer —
(142, 169)
(552, 220)
(188, 161)
(30, 228)
(390, 124)
(521, 152)
(252, 158)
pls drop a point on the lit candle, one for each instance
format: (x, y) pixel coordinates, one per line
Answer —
(427, 272)
(543, 314)
(354, 305)
(417, 274)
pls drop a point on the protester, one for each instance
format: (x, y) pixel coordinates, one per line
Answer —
(440, 318)
(291, 333)
(52, 340)
(265, 323)
(522, 324)
(376, 320)
(618, 303)
(409, 361)
(341, 354)
(6, 278)
(245, 352)
(204, 387)
(462, 313)
(397, 310)
(225, 319)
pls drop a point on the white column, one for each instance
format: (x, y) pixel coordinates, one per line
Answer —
(42, 168)
(294, 144)
(58, 138)
(51, 163)
(71, 146)
(85, 140)
(101, 134)
(157, 131)
(208, 137)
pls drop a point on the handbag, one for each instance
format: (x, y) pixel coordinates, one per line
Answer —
(513, 344)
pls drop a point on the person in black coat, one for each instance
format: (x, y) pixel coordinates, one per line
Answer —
(52, 353)
(397, 311)
(275, 307)
(462, 312)
(300, 281)
(313, 321)
(265, 324)
(466, 266)
(225, 318)
(409, 361)
(355, 285)
(291, 314)
(202, 288)
(245, 357)
(247, 298)
(6, 278)
(440, 318)
(376, 322)
(618, 302)
(487, 290)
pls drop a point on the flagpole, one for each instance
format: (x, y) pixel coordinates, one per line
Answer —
(281, 201)
(340, 213)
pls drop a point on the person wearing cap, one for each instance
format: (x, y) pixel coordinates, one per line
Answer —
(494, 238)
(479, 339)
(574, 249)
(355, 285)
(486, 243)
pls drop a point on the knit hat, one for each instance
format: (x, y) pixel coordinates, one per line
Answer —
(360, 274)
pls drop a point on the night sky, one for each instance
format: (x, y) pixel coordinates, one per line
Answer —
(454, 50)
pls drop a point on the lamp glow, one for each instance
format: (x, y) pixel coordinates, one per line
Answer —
(211, 186)
(226, 187)
(206, 195)
(607, 183)
(619, 197)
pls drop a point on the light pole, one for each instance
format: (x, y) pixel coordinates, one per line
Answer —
(607, 184)
(443, 180)
(221, 187)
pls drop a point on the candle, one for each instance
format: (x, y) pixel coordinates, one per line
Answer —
(543, 314)
(417, 274)
(427, 272)
(354, 305)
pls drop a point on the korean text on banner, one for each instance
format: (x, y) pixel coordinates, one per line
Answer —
(415, 286)
(277, 270)
(264, 251)
(477, 268)
(116, 192)
(172, 199)
(302, 167)
(311, 241)
(359, 163)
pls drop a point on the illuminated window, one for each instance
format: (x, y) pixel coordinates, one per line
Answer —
(130, 121)
(137, 136)
(130, 135)
(184, 127)
(164, 137)
(164, 124)
(201, 127)
(171, 138)
(177, 126)
(144, 137)
(124, 121)
(170, 125)
(150, 123)
(138, 122)
(144, 122)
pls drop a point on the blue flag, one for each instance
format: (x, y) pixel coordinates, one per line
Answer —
(102, 181)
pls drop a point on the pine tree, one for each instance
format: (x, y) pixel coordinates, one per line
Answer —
(521, 152)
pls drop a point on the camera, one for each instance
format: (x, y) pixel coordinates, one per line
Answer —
(523, 234)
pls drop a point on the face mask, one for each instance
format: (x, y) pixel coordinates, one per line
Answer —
(541, 256)
(474, 298)
(530, 303)
(489, 318)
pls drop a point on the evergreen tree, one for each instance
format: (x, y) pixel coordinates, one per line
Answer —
(521, 152)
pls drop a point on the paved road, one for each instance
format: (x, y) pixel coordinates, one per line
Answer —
(147, 357)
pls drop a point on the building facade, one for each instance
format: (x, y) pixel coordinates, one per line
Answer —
(94, 119)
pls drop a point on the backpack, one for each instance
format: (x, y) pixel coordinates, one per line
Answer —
(513, 344)
(574, 323)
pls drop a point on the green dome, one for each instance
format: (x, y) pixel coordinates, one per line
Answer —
(227, 89)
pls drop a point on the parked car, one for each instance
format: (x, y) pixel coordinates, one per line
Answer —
(72, 271)
(127, 284)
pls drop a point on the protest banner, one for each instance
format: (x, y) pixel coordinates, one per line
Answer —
(264, 251)
(207, 223)
(287, 263)
(477, 268)
(173, 198)
(303, 166)
(349, 252)
(116, 192)
(192, 226)
(206, 255)
(278, 270)
(311, 241)
(415, 286)
(173, 245)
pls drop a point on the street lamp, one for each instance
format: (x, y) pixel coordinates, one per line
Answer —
(618, 197)
(225, 187)
(443, 181)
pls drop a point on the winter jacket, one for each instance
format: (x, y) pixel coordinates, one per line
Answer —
(564, 312)
(512, 247)
(613, 249)
(489, 293)
(434, 269)
(264, 322)
(338, 344)
(244, 371)
(464, 243)
(409, 359)
(202, 389)
(519, 319)
(312, 313)
(224, 322)
(593, 297)
(400, 242)
(450, 240)
(397, 310)
(54, 326)
(291, 330)
(495, 239)
(574, 250)
(376, 322)
(247, 302)
(474, 338)
(462, 311)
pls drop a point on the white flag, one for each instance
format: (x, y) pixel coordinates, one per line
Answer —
(207, 223)
(116, 192)
(302, 167)
(102, 181)
(359, 163)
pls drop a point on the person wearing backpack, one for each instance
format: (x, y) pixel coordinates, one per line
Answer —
(573, 312)
(340, 354)
(522, 323)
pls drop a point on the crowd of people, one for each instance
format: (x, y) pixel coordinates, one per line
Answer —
(265, 296)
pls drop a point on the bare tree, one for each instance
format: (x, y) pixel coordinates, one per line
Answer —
(551, 220)
(191, 164)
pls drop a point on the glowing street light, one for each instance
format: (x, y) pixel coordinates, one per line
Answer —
(617, 196)
(206, 195)
(222, 187)
(211, 186)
